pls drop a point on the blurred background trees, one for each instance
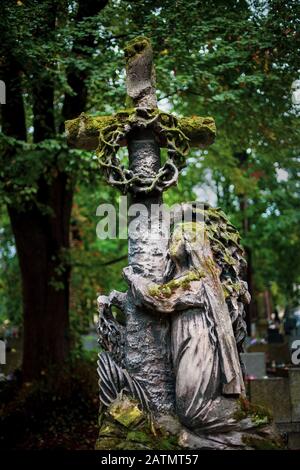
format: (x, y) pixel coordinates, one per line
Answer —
(233, 60)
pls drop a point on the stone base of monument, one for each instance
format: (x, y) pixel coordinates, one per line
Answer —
(124, 426)
(281, 395)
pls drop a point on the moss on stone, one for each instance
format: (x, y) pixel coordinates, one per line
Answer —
(125, 412)
(200, 130)
(147, 434)
(139, 436)
(225, 292)
(259, 415)
(229, 287)
(99, 122)
(192, 229)
(166, 290)
(111, 428)
(229, 259)
(168, 443)
(136, 46)
(108, 443)
(83, 132)
(127, 433)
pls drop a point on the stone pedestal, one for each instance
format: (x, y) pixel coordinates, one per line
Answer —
(294, 380)
(124, 426)
(272, 393)
(294, 441)
(281, 395)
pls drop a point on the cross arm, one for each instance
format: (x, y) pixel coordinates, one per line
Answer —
(83, 132)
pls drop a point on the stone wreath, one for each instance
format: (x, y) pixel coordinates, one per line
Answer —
(166, 130)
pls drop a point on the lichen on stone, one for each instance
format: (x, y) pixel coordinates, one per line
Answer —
(125, 411)
(136, 46)
(260, 416)
(201, 130)
(166, 290)
(124, 427)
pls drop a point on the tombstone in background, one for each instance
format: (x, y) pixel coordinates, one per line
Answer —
(278, 352)
(294, 440)
(294, 379)
(176, 358)
(255, 364)
(274, 394)
(281, 396)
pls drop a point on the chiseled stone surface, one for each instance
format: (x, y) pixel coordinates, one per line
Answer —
(294, 378)
(272, 393)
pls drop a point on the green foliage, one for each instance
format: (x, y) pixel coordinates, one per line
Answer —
(22, 165)
(10, 288)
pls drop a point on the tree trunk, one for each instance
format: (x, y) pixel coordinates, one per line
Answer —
(147, 334)
(41, 241)
(250, 309)
(40, 238)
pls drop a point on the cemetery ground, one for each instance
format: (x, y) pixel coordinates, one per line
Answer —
(60, 411)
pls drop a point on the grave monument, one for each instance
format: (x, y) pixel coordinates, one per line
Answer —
(170, 374)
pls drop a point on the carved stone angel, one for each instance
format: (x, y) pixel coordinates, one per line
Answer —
(203, 296)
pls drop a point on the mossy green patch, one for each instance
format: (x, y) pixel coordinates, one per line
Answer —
(166, 290)
(125, 412)
(136, 46)
(259, 415)
(135, 430)
(139, 436)
(201, 130)
(111, 429)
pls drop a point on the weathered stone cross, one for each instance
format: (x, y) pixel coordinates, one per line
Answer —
(144, 130)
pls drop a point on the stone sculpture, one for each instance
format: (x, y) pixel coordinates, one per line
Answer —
(177, 352)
